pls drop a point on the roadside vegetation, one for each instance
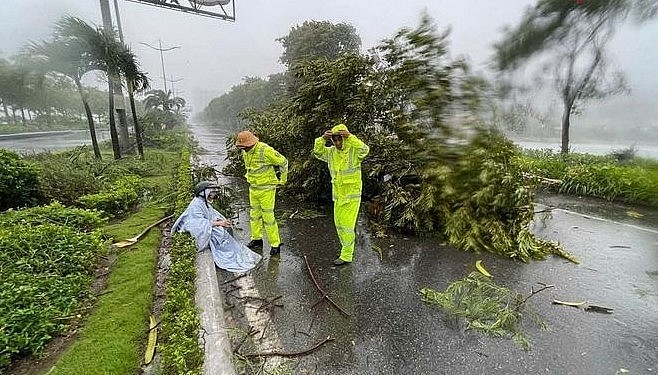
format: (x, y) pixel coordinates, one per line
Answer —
(181, 326)
(57, 233)
(434, 166)
(619, 176)
(113, 335)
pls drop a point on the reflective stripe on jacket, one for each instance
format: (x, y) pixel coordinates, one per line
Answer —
(344, 166)
(260, 162)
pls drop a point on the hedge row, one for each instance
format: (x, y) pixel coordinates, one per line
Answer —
(181, 353)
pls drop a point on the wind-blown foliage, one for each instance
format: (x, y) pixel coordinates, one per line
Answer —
(78, 48)
(574, 35)
(164, 101)
(489, 308)
(432, 166)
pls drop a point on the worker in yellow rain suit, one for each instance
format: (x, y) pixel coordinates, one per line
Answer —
(344, 159)
(260, 161)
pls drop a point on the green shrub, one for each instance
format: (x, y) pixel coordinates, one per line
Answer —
(121, 197)
(45, 271)
(181, 353)
(67, 175)
(634, 180)
(19, 183)
(54, 213)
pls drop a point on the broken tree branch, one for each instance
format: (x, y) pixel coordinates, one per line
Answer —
(234, 278)
(324, 294)
(293, 354)
(252, 331)
(533, 292)
(269, 303)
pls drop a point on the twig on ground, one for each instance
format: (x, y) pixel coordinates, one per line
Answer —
(233, 289)
(252, 331)
(533, 292)
(269, 303)
(292, 354)
(324, 294)
(234, 278)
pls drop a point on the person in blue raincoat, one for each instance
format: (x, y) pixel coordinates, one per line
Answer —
(210, 229)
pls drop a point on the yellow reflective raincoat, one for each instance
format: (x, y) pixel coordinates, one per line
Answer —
(259, 162)
(345, 169)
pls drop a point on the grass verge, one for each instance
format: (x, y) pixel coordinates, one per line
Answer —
(632, 181)
(112, 339)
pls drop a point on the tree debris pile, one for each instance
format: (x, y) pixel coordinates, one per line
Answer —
(487, 307)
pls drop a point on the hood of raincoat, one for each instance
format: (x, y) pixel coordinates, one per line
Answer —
(336, 129)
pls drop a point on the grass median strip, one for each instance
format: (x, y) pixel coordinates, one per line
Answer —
(111, 340)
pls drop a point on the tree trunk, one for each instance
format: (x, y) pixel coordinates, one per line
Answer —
(23, 116)
(566, 123)
(90, 120)
(124, 138)
(13, 112)
(113, 126)
(4, 106)
(138, 128)
(29, 115)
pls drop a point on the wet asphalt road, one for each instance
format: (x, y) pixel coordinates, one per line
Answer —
(389, 330)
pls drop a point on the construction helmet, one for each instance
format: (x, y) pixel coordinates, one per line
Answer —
(203, 185)
(246, 138)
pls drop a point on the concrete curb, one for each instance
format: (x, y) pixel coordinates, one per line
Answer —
(217, 348)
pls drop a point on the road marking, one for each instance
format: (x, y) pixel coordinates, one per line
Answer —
(599, 218)
(267, 338)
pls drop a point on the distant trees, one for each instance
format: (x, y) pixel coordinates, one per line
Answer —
(29, 97)
(313, 40)
(78, 48)
(571, 36)
(318, 39)
(253, 93)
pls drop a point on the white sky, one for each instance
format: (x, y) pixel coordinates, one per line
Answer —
(215, 54)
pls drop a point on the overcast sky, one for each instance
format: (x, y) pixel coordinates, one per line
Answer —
(216, 54)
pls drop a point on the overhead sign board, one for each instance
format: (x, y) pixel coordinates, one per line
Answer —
(221, 9)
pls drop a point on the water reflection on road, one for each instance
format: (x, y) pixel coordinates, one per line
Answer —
(49, 141)
(390, 331)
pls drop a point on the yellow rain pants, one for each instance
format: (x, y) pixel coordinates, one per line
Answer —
(345, 214)
(261, 214)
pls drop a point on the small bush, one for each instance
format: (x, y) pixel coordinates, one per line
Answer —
(54, 213)
(67, 175)
(624, 155)
(19, 182)
(45, 271)
(123, 196)
(634, 180)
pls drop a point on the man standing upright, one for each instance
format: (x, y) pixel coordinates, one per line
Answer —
(260, 161)
(344, 159)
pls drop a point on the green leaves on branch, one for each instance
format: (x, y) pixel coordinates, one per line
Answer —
(487, 307)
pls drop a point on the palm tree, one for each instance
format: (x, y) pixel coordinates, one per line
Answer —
(66, 55)
(136, 81)
(90, 48)
(164, 101)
